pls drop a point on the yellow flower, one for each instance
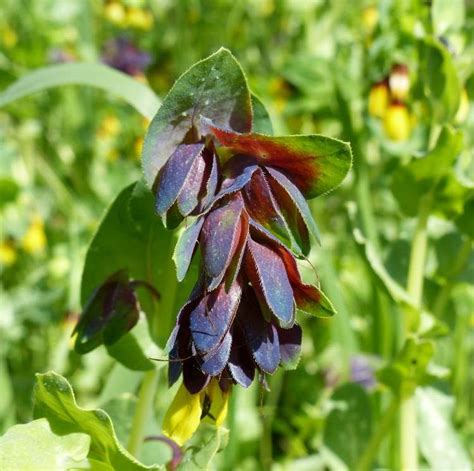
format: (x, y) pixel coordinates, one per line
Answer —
(184, 415)
(8, 37)
(115, 13)
(139, 18)
(34, 240)
(463, 109)
(378, 99)
(109, 127)
(137, 147)
(370, 18)
(8, 253)
(397, 122)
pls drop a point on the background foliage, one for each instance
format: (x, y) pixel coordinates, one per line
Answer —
(66, 153)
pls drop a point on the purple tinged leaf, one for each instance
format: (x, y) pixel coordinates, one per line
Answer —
(280, 180)
(213, 316)
(239, 251)
(267, 273)
(241, 364)
(290, 346)
(174, 173)
(215, 361)
(217, 236)
(212, 182)
(193, 187)
(260, 335)
(215, 87)
(109, 314)
(185, 247)
(263, 208)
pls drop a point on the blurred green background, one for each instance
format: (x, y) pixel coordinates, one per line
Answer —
(65, 154)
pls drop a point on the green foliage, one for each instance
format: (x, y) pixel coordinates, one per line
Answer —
(54, 401)
(28, 446)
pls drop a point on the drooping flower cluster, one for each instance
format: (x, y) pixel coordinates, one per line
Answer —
(240, 318)
(246, 194)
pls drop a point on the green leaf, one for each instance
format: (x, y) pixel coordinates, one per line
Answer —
(447, 16)
(439, 442)
(101, 76)
(33, 446)
(216, 88)
(203, 447)
(409, 368)
(9, 190)
(465, 222)
(315, 164)
(54, 400)
(261, 122)
(135, 349)
(440, 80)
(131, 236)
(349, 424)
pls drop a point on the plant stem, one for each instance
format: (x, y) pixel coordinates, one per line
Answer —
(143, 411)
(384, 427)
(408, 423)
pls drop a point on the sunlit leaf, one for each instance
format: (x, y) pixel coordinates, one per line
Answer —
(214, 87)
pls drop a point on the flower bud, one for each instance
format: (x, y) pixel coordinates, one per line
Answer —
(378, 99)
(397, 122)
(399, 82)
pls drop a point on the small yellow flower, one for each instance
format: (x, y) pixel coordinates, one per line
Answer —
(109, 127)
(8, 37)
(370, 18)
(8, 253)
(378, 99)
(463, 109)
(397, 122)
(34, 240)
(139, 18)
(187, 410)
(183, 416)
(115, 13)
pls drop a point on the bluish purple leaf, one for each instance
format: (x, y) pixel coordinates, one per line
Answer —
(261, 336)
(185, 247)
(174, 173)
(194, 187)
(217, 236)
(267, 272)
(290, 346)
(213, 316)
(241, 364)
(215, 361)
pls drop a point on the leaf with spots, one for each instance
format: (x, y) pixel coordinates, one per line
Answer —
(214, 87)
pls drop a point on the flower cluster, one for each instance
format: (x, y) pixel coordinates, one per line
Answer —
(211, 161)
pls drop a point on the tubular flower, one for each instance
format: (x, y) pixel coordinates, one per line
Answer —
(246, 192)
(397, 122)
(378, 99)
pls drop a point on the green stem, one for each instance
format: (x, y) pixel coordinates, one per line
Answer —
(408, 423)
(143, 411)
(266, 449)
(384, 427)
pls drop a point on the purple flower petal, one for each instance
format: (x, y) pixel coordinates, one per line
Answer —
(241, 364)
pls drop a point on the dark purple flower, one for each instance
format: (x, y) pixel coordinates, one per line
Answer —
(121, 54)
